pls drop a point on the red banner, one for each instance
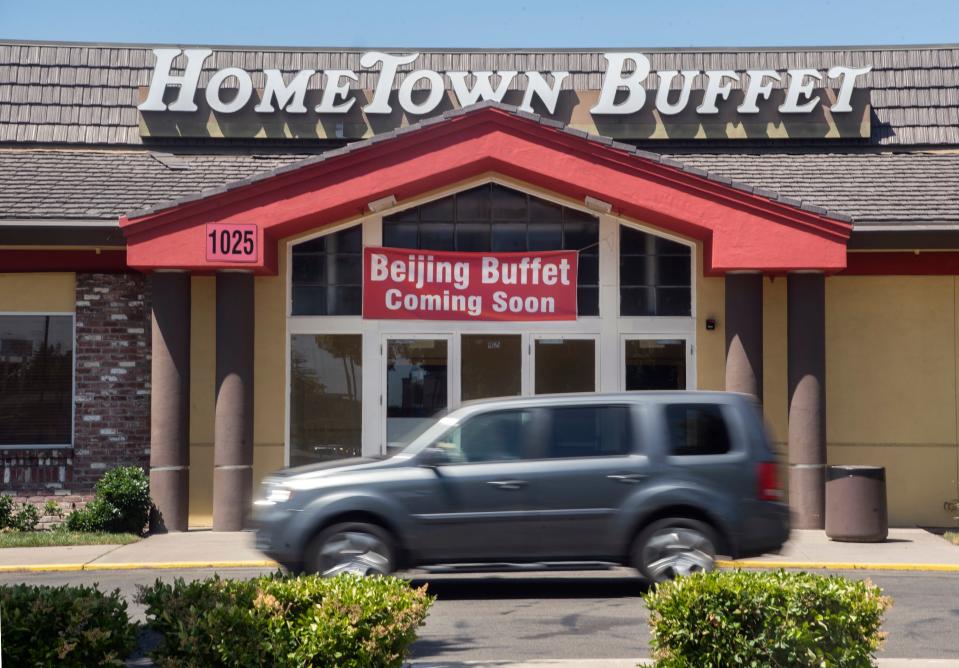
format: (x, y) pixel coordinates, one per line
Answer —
(403, 284)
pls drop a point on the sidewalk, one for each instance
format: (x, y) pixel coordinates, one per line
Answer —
(906, 550)
(632, 663)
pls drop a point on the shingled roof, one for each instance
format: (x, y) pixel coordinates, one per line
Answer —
(87, 94)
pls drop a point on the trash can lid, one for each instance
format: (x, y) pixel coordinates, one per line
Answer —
(851, 470)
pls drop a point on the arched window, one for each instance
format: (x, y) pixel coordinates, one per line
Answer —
(654, 275)
(494, 218)
(328, 274)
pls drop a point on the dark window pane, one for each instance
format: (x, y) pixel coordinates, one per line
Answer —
(575, 215)
(473, 204)
(508, 204)
(36, 380)
(545, 236)
(345, 300)
(509, 237)
(472, 237)
(633, 242)
(580, 235)
(440, 210)
(589, 431)
(672, 271)
(587, 301)
(653, 364)
(308, 268)
(697, 429)
(564, 365)
(673, 301)
(405, 216)
(541, 211)
(670, 247)
(309, 300)
(436, 236)
(349, 240)
(490, 365)
(588, 269)
(636, 301)
(326, 389)
(400, 235)
(632, 270)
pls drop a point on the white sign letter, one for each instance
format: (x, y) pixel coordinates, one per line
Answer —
(613, 80)
(335, 89)
(715, 89)
(482, 89)
(799, 87)
(662, 93)
(243, 92)
(437, 89)
(162, 78)
(538, 86)
(289, 97)
(756, 89)
(849, 75)
(380, 104)
(378, 270)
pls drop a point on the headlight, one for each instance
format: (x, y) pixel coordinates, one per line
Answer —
(276, 495)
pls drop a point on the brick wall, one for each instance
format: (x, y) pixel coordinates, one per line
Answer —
(112, 426)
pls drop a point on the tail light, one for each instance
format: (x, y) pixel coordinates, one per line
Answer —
(769, 487)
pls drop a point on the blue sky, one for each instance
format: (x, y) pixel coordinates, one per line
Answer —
(486, 23)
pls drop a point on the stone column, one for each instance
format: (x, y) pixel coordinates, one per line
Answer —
(170, 401)
(233, 428)
(806, 331)
(744, 333)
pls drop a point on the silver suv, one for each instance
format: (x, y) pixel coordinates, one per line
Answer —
(658, 481)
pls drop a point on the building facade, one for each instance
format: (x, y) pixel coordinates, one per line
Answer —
(189, 240)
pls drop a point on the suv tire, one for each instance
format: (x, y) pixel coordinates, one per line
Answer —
(674, 546)
(351, 547)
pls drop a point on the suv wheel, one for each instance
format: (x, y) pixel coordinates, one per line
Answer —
(672, 547)
(352, 547)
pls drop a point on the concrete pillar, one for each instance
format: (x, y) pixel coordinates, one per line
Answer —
(806, 331)
(170, 401)
(233, 428)
(744, 333)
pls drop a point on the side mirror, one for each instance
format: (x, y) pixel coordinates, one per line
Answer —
(434, 457)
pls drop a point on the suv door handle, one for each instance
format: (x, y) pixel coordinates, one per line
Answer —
(507, 484)
(628, 478)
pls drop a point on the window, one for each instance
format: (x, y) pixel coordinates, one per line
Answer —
(499, 219)
(490, 437)
(655, 364)
(697, 429)
(654, 275)
(588, 431)
(36, 380)
(328, 274)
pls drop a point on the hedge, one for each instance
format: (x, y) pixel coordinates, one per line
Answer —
(345, 621)
(121, 503)
(64, 626)
(771, 618)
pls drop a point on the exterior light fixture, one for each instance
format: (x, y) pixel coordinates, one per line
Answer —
(597, 204)
(382, 204)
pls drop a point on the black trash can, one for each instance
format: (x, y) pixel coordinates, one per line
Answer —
(856, 504)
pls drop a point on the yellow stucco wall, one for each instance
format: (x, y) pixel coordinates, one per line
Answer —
(38, 292)
(710, 345)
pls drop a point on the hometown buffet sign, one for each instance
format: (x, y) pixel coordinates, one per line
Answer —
(440, 285)
(633, 102)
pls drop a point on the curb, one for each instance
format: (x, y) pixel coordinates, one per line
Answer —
(267, 563)
(146, 565)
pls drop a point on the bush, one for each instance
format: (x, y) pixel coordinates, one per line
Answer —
(345, 621)
(739, 618)
(121, 503)
(64, 627)
(25, 519)
(6, 510)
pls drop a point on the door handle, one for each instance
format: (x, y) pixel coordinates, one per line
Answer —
(507, 484)
(628, 478)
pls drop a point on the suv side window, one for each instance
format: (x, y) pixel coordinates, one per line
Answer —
(697, 429)
(588, 431)
(489, 437)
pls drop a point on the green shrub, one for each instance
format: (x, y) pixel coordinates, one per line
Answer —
(25, 519)
(121, 503)
(64, 627)
(739, 618)
(283, 621)
(6, 510)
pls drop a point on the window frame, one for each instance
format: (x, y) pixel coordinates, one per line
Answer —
(73, 383)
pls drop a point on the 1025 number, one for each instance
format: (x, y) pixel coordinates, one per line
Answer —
(231, 243)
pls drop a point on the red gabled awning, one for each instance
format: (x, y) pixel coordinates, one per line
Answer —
(740, 228)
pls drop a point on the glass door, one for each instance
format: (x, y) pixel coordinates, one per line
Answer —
(417, 384)
(564, 364)
(491, 365)
(654, 363)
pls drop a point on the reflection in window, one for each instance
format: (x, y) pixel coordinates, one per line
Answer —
(328, 274)
(326, 383)
(654, 275)
(36, 380)
(655, 364)
(499, 219)
(489, 437)
(416, 377)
